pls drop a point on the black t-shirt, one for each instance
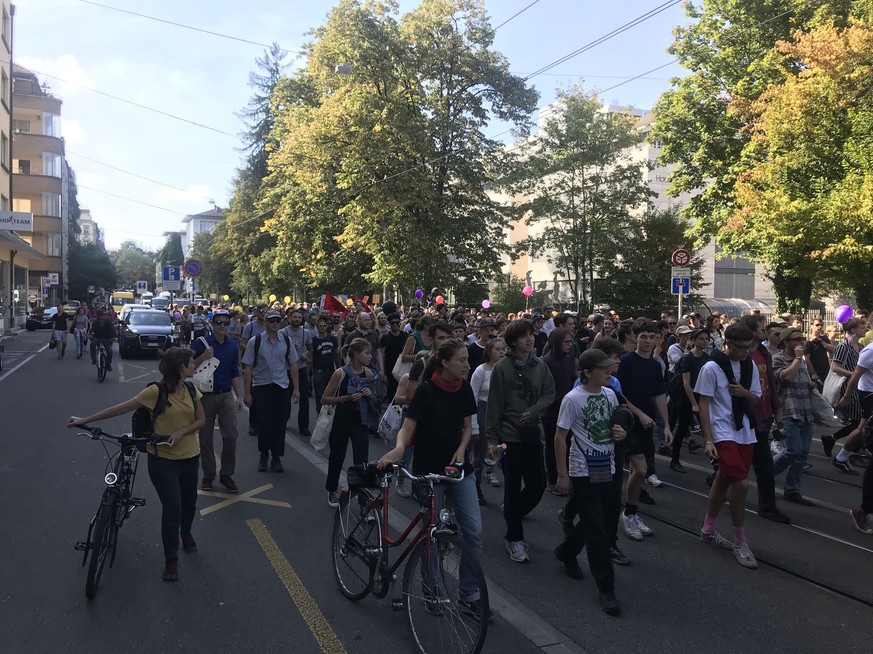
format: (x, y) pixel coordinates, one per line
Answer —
(60, 321)
(818, 356)
(439, 417)
(540, 342)
(323, 353)
(641, 381)
(475, 354)
(393, 346)
(106, 330)
(692, 365)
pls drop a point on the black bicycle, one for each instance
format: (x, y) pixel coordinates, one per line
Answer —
(101, 361)
(117, 502)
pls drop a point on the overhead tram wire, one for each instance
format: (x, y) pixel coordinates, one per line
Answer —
(135, 104)
(175, 24)
(123, 197)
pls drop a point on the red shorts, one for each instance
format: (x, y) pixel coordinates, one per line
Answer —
(734, 460)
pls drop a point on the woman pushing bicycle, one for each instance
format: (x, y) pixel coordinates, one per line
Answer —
(173, 470)
(440, 418)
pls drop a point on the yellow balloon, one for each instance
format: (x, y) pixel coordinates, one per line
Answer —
(272, 297)
(350, 302)
(225, 297)
(287, 299)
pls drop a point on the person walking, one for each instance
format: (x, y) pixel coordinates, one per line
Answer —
(173, 470)
(80, 331)
(480, 382)
(521, 390)
(302, 341)
(563, 369)
(223, 402)
(325, 358)
(60, 325)
(270, 366)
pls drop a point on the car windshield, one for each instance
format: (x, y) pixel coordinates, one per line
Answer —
(38, 311)
(149, 318)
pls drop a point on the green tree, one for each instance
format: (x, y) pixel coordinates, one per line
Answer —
(581, 186)
(638, 285)
(133, 263)
(507, 295)
(90, 265)
(217, 272)
(726, 50)
(172, 254)
(384, 171)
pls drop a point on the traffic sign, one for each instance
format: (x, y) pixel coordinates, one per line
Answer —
(172, 274)
(92, 289)
(680, 286)
(174, 285)
(142, 286)
(681, 257)
(46, 281)
(193, 267)
(680, 271)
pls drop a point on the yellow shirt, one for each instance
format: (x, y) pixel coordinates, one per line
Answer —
(179, 413)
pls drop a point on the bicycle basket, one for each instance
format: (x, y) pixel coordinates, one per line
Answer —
(422, 491)
(365, 476)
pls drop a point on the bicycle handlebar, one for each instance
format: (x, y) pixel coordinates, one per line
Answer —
(96, 433)
(453, 473)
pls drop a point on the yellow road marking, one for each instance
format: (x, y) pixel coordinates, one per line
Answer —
(309, 611)
(248, 496)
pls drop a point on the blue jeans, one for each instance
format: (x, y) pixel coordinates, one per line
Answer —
(465, 504)
(798, 438)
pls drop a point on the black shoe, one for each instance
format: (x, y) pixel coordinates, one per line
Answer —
(228, 483)
(566, 525)
(844, 466)
(189, 545)
(797, 498)
(474, 609)
(619, 557)
(276, 465)
(608, 603)
(774, 514)
(305, 433)
(571, 565)
(645, 498)
(828, 442)
(665, 450)
(206, 484)
(262, 463)
(676, 466)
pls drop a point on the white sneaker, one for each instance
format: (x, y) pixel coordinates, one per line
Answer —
(631, 530)
(745, 557)
(653, 480)
(644, 530)
(517, 551)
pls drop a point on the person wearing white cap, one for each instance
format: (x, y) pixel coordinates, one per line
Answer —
(270, 361)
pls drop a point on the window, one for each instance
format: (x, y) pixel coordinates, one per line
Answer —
(205, 226)
(51, 124)
(51, 164)
(52, 244)
(4, 90)
(4, 150)
(51, 204)
(22, 204)
(21, 166)
(5, 29)
(21, 126)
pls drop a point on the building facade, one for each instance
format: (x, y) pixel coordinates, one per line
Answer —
(89, 231)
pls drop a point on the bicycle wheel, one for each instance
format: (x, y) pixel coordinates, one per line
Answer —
(101, 366)
(356, 543)
(101, 541)
(438, 621)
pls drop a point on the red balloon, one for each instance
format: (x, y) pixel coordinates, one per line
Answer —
(440, 299)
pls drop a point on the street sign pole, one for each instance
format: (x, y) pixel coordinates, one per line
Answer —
(679, 315)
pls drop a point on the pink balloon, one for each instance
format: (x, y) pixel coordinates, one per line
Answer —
(486, 304)
(843, 313)
(440, 299)
(527, 291)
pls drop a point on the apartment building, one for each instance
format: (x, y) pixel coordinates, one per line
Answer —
(16, 253)
(89, 230)
(198, 223)
(40, 181)
(726, 279)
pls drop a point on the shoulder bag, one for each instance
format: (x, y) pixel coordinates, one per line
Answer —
(833, 388)
(324, 425)
(203, 377)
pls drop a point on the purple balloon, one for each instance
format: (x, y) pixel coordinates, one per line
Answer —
(419, 293)
(843, 313)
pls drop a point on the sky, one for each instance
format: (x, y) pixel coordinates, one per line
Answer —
(140, 172)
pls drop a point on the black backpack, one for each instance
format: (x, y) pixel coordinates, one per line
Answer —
(143, 421)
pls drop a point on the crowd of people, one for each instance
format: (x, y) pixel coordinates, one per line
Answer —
(535, 402)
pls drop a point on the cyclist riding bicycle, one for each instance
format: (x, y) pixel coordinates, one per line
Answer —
(101, 331)
(199, 323)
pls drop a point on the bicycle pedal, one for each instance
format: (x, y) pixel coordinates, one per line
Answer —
(81, 546)
(137, 501)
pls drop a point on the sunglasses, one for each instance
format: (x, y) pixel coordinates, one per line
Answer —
(221, 323)
(274, 320)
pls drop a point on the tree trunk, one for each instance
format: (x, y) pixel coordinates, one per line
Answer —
(792, 293)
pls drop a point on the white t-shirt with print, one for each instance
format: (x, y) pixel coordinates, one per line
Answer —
(712, 383)
(589, 417)
(865, 360)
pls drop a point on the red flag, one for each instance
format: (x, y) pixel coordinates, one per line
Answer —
(332, 305)
(363, 302)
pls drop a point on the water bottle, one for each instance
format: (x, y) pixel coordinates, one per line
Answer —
(493, 462)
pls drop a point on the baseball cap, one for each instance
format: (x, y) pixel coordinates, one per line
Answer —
(273, 313)
(788, 333)
(594, 358)
(219, 313)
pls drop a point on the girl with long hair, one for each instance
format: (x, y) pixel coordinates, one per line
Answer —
(480, 382)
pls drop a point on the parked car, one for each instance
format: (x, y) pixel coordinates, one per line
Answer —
(71, 306)
(40, 318)
(145, 330)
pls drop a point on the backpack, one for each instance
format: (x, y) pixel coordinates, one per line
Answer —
(143, 420)
(287, 348)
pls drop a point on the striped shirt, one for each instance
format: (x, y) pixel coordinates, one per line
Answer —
(846, 356)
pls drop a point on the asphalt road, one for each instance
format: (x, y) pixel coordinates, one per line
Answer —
(262, 582)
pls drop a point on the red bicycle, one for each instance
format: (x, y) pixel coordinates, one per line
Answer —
(438, 562)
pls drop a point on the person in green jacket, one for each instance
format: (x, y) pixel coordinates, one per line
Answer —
(521, 390)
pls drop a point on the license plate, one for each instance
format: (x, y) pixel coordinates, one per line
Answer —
(150, 344)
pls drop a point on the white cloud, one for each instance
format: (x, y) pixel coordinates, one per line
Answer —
(65, 67)
(176, 78)
(72, 131)
(194, 194)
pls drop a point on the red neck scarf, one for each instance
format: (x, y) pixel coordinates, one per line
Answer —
(449, 386)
